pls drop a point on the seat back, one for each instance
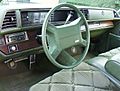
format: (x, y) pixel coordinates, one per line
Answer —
(109, 64)
(113, 66)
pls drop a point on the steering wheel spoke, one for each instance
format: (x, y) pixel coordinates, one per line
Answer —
(84, 42)
(70, 25)
(81, 22)
(66, 59)
(51, 28)
(55, 52)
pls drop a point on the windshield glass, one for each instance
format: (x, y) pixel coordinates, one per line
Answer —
(97, 3)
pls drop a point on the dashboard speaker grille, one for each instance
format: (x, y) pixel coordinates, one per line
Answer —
(10, 20)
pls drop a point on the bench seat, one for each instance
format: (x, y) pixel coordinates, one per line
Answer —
(81, 78)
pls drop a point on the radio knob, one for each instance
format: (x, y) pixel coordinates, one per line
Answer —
(13, 48)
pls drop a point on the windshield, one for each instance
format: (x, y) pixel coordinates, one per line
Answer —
(97, 3)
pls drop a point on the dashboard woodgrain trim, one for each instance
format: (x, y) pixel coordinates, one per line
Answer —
(23, 45)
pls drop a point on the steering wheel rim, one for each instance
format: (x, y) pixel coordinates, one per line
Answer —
(44, 38)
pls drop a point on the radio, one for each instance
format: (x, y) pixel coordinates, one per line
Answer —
(16, 37)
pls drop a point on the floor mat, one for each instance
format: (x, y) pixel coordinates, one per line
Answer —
(22, 81)
(21, 78)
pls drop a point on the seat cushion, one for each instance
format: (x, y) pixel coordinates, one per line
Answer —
(110, 53)
(81, 78)
(113, 66)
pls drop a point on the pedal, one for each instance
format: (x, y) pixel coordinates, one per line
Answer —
(32, 60)
(12, 64)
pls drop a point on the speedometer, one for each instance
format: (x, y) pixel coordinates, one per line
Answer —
(33, 18)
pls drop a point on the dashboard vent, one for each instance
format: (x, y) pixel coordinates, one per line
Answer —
(115, 15)
(9, 20)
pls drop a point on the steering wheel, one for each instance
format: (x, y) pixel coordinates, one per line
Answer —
(56, 39)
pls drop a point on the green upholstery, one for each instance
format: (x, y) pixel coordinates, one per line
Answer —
(110, 53)
(109, 64)
(113, 66)
(81, 78)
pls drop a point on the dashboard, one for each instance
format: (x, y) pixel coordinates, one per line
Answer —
(36, 17)
(20, 26)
